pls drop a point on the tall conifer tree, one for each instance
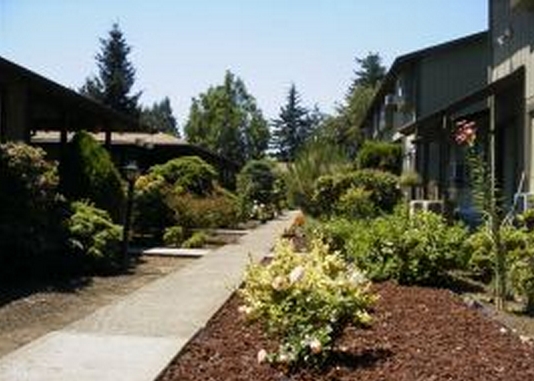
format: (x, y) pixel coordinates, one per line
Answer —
(116, 75)
(292, 128)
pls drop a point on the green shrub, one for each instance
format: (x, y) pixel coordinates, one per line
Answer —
(189, 173)
(94, 238)
(317, 159)
(255, 184)
(174, 236)
(383, 190)
(219, 209)
(521, 277)
(151, 213)
(336, 232)
(411, 250)
(379, 155)
(355, 203)
(481, 259)
(31, 213)
(88, 173)
(197, 240)
(304, 301)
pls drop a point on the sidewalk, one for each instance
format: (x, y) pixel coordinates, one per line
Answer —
(136, 338)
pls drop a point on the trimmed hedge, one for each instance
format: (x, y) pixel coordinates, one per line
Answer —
(379, 155)
(330, 191)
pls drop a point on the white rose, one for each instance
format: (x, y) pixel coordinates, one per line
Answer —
(316, 346)
(296, 274)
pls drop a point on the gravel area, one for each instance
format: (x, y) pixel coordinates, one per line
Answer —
(417, 334)
(32, 310)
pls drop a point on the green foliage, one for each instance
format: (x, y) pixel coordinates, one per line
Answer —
(315, 160)
(183, 192)
(174, 236)
(304, 301)
(219, 209)
(116, 75)
(384, 192)
(226, 120)
(88, 173)
(521, 277)
(256, 184)
(190, 173)
(94, 238)
(31, 211)
(152, 214)
(384, 156)
(411, 250)
(371, 71)
(159, 118)
(343, 129)
(293, 127)
(355, 203)
(197, 240)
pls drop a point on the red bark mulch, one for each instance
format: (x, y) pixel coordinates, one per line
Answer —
(418, 334)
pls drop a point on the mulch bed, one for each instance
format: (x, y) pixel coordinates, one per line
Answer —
(418, 334)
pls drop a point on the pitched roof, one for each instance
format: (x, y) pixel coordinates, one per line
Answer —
(413, 57)
(67, 96)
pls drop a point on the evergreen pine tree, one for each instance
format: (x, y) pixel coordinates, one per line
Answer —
(292, 128)
(116, 75)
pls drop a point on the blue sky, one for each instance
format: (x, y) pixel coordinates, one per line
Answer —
(181, 47)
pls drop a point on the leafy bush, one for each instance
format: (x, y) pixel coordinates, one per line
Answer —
(197, 240)
(189, 173)
(521, 277)
(383, 156)
(481, 259)
(31, 212)
(94, 238)
(411, 250)
(382, 187)
(356, 203)
(88, 173)
(315, 160)
(305, 300)
(219, 209)
(256, 185)
(174, 236)
(152, 214)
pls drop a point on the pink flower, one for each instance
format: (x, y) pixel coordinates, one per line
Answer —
(465, 132)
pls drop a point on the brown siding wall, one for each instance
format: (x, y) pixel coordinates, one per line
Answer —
(450, 75)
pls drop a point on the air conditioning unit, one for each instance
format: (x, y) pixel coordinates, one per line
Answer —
(435, 206)
(524, 202)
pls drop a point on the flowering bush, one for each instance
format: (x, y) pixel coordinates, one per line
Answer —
(304, 300)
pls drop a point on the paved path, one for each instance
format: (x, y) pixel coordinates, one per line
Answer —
(135, 338)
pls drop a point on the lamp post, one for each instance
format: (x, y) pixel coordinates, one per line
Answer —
(130, 171)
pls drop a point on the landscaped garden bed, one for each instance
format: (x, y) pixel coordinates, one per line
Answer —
(416, 334)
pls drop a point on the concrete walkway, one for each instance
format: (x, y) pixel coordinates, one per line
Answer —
(136, 338)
